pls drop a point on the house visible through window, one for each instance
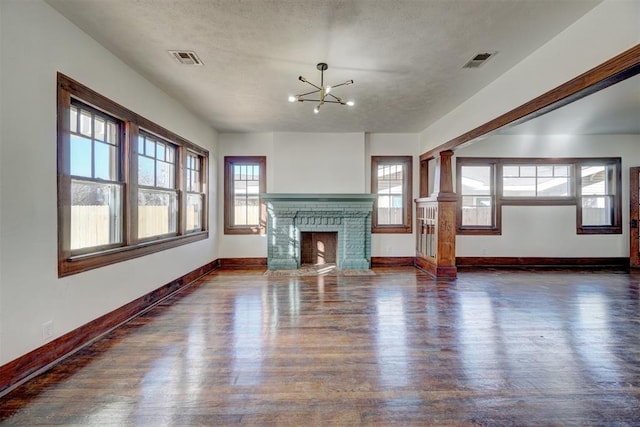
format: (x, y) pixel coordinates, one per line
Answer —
(119, 193)
(245, 179)
(592, 185)
(391, 180)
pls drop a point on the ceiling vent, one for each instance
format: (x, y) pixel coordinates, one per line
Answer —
(186, 57)
(479, 59)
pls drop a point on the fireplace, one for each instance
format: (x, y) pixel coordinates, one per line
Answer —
(318, 248)
(346, 215)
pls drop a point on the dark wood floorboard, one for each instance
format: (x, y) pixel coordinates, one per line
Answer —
(494, 347)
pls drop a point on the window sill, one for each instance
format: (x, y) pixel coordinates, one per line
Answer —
(80, 263)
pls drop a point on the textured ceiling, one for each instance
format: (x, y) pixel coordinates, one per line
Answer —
(405, 56)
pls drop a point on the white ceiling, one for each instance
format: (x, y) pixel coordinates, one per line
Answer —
(405, 56)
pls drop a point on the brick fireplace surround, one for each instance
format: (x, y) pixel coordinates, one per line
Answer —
(289, 215)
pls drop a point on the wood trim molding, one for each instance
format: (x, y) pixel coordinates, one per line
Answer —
(243, 263)
(616, 69)
(43, 358)
(542, 262)
(439, 272)
(395, 261)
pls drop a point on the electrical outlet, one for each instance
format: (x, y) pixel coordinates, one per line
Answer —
(47, 330)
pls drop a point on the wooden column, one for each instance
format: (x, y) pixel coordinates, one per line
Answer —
(443, 262)
(447, 201)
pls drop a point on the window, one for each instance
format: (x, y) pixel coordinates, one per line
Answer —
(592, 185)
(599, 190)
(477, 195)
(119, 193)
(195, 196)
(244, 180)
(391, 180)
(96, 186)
(537, 181)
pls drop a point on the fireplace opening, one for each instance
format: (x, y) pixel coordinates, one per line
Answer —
(318, 248)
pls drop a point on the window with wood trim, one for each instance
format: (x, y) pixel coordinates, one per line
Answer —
(244, 181)
(593, 185)
(477, 198)
(195, 195)
(120, 190)
(391, 180)
(157, 194)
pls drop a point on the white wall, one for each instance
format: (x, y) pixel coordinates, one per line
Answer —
(604, 32)
(36, 43)
(317, 163)
(550, 231)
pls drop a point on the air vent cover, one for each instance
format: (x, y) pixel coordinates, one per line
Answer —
(186, 57)
(479, 59)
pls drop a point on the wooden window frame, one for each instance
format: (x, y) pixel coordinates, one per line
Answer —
(202, 161)
(496, 228)
(407, 194)
(574, 199)
(229, 162)
(73, 262)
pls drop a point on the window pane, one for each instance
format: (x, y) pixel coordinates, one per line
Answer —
(553, 187)
(140, 145)
(105, 161)
(561, 170)
(157, 213)
(99, 128)
(145, 171)
(150, 148)
(85, 123)
(545, 171)
(240, 210)
(253, 210)
(253, 188)
(194, 212)
(511, 171)
(519, 187)
(80, 156)
(160, 151)
(477, 210)
(476, 180)
(528, 171)
(73, 119)
(112, 135)
(594, 180)
(165, 174)
(597, 210)
(96, 214)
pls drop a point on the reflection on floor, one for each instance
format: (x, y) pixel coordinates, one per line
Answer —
(493, 347)
(319, 270)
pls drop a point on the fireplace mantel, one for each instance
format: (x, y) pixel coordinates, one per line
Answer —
(289, 215)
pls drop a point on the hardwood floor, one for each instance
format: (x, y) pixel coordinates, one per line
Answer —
(493, 347)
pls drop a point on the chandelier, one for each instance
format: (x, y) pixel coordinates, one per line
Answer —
(323, 92)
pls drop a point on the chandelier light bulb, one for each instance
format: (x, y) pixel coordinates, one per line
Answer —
(316, 110)
(351, 103)
(327, 90)
(292, 98)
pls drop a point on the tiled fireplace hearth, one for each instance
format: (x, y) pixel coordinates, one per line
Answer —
(289, 215)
